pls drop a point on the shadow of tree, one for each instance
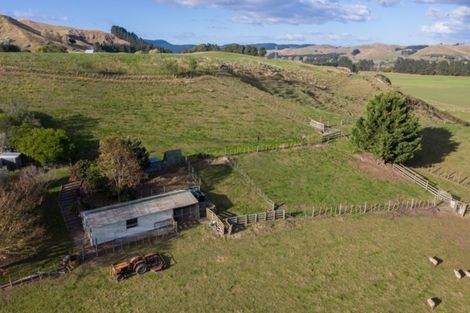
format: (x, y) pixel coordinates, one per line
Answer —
(79, 127)
(212, 175)
(437, 143)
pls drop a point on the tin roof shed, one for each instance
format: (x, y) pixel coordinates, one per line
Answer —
(137, 208)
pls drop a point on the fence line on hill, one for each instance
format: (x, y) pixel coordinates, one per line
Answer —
(234, 151)
(452, 176)
(248, 180)
(367, 207)
(460, 207)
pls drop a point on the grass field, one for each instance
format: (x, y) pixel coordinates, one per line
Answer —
(326, 175)
(352, 264)
(448, 93)
(227, 190)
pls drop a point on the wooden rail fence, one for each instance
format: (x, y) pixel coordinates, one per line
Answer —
(215, 222)
(245, 220)
(459, 206)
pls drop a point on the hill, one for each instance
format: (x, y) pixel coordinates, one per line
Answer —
(169, 46)
(383, 53)
(29, 35)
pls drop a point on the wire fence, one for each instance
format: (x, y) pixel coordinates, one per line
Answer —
(366, 207)
(251, 183)
(450, 175)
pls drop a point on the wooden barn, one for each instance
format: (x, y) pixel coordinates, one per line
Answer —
(137, 217)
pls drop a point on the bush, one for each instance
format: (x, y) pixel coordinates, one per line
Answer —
(9, 47)
(389, 129)
(52, 49)
(88, 171)
(45, 145)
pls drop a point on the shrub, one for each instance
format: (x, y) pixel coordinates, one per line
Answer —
(389, 129)
(89, 172)
(52, 49)
(45, 145)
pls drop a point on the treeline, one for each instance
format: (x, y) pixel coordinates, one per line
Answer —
(135, 43)
(233, 48)
(454, 68)
(336, 60)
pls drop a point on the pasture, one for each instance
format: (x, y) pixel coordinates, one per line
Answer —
(448, 93)
(347, 264)
(326, 175)
(373, 263)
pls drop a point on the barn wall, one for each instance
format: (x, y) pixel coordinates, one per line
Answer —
(118, 230)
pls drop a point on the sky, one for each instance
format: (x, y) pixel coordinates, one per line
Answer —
(337, 22)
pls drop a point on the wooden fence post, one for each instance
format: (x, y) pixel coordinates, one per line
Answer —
(365, 207)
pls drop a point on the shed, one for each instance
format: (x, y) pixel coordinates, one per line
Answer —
(12, 160)
(155, 165)
(173, 157)
(137, 217)
(89, 51)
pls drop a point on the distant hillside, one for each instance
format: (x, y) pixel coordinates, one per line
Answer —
(165, 44)
(29, 35)
(273, 46)
(381, 52)
(180, 48)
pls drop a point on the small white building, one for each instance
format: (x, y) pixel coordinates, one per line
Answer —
(12, 160)
(89, 51)
(123, 220)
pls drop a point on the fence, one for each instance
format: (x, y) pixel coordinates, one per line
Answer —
(33, 277)
(252, 184)
(254, 218)
(234, 151)
(322, 127)
(451, 176)
(192, 172)
(388, 206)
(216, 222)
(459, 206)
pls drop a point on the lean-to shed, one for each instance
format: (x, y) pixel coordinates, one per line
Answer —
(139, 216)
(12, 160)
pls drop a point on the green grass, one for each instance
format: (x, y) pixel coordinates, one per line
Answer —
(448, 93)
(228, 191)
(352, 264)
(325, 175)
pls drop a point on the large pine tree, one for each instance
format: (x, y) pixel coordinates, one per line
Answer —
(389, 129)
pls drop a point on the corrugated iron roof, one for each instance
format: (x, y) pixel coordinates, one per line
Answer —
(10, 154)
(137, 208)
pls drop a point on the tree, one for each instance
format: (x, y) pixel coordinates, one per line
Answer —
(20, 229)
(389, 129)
(203, 48)
(45, 145)
(119, 163)
(262, 52)
(355, 52)
(88, 172)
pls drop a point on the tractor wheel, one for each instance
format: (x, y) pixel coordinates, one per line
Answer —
(141, 268)
(120, 277)
(135, 259)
